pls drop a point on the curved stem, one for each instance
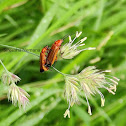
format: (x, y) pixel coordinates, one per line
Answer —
(6, 70)
(3, 66)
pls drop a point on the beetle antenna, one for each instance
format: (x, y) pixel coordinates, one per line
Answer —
(67, 36)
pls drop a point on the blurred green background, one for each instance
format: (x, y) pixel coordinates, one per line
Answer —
(33, 24)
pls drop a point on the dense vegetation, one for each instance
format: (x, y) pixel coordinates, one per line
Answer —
(32, 24)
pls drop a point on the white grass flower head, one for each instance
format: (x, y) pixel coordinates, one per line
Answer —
(91, 80)
(15, 78)
(69, 50)
(15, 94)
(67, 112)
(18, 96)
(7, 77)
(71, 90)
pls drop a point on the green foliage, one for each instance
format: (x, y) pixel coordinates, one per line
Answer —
(32, 24)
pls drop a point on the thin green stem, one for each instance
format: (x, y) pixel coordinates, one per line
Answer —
(58, 71)
(7, 71)
(20, 49)
(4, 66)
(61, 72)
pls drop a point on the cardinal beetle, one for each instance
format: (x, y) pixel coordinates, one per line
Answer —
(43, 56)
(46, 62)
(52, 55)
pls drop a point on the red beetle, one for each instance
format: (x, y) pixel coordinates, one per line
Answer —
(43, 56)
(52, 55)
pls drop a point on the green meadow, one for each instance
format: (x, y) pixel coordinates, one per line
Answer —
(33, 24)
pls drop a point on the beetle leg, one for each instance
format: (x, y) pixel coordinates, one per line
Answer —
(61, 53)
(48, 65)
(56, 58)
